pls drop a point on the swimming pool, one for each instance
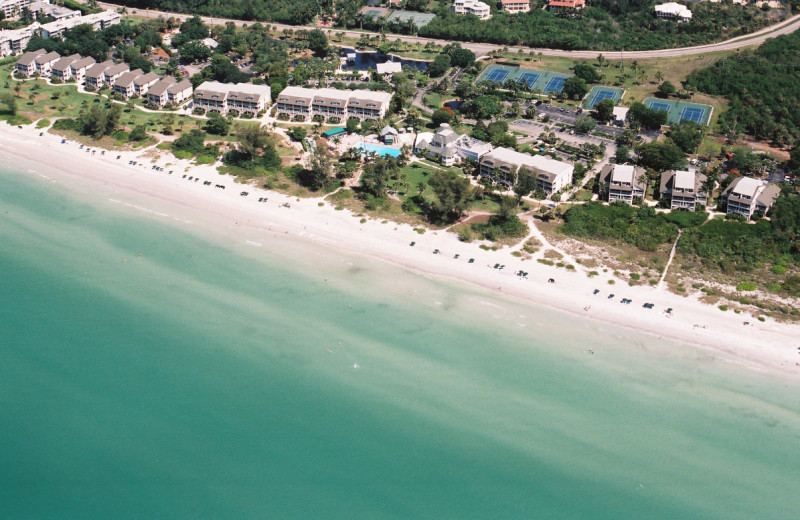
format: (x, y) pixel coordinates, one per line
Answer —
(366, 148)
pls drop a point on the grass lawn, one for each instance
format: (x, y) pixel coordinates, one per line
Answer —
(583, 195)
(434, 101)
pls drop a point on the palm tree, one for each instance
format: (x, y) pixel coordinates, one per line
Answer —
(420, 187)
(659, 76)
(642, 76)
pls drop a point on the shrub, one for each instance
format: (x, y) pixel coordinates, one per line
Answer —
(746, 286)
(778, 269)
(43, 123)
(723, 308)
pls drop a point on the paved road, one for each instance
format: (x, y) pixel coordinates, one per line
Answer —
(757, 38)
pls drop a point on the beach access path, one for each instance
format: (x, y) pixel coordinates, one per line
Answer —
(198, 208)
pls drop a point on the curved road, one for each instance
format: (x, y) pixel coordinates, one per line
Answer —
(757, 38)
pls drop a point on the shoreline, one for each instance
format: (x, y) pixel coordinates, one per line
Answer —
(193, 206)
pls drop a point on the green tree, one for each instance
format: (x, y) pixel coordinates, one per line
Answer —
(138, 133)
(317, 42)
(320, 168)
(587, 73)
(217, 124)
(193, 51)
(526, 183)
(441, 116)
(575, 88)
(604, 110)
(666, 89)
(352, 125)
(584, 124)
(10, 102)
(376, 175)
(440, 65)
(453, 194)
(661, 156)
(687, 135)
(298, 133)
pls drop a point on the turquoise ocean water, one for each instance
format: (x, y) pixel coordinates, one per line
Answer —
(206, 379)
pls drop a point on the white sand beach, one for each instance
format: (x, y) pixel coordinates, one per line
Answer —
(194, 205)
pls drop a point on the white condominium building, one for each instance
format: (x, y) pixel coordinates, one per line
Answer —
(13, 7)
(503, 165)
(328, 102)
(14, 41)
(223, 97)
(475, 7)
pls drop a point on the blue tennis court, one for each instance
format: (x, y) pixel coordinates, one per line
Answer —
(692, 114)
(497, 75)
(529, 78)
(555, 85)
(600, 95)
(660, 106)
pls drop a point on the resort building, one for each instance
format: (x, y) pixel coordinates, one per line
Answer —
(124, 84)
(673, 10)
(25, 64)
(552, 176)
(223, 97)
(683, 189)
(61, 71)
(111, 74)
(98, 21)
(515, 6)
(503, 165)
(44, 9)
(95, 74)
(14, 41)
(565, 5)
(479, 9)
(44, 63)
(12, 8)
(368, 104)
(295, 101)
(623, 182)
(746, 195)
(143, 83)
(452, 148)
(169, 92)
(389, 67)
(328, 102)
(78, 68)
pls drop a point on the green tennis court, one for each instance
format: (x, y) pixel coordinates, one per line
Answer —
(678, 111)
(599, 93)
(543, 81)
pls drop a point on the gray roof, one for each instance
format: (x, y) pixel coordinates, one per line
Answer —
(682, 180)
(64, 63)
(159, 88)
(146, 78)
(29, 57)
(178, 87)
(47, 58)
(117, 69)
(621, 174)
(126, 79)
(97, 70)
(83, 63)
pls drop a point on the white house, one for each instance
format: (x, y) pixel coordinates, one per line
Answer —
(623, 182)
(684, 189)
(746, 195)
(60, 70)
(307, 103)
(44, 63)
(123, 85)
(223, 97)
(452, 148)
(672, 10)
(143, 83)
(77, 69)
(515, 6)
(94, 74)
(479, 9)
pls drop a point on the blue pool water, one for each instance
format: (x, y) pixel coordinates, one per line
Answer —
(365, 148)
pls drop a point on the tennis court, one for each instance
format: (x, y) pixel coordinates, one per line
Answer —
(497, 75)
(597, 94)
(692, 114)
(529, 77)
(678, 111)
(419, 19)
(536, 80)
(556, 84)
(666, 107)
